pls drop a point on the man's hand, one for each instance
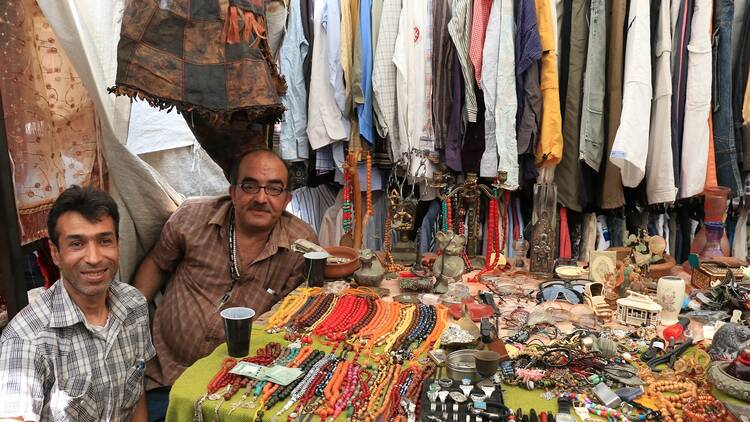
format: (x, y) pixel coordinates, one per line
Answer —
(149, 278)
(17, 418)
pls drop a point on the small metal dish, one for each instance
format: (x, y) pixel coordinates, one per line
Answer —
(462, 364)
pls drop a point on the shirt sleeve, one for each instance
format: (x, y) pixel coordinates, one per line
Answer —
(170, 247)
(22, 378)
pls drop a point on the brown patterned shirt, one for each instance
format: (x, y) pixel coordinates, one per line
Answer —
(193, 248)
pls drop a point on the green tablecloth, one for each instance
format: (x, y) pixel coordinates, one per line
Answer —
(193, 382)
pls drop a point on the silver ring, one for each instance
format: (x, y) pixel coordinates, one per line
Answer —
(445, 382)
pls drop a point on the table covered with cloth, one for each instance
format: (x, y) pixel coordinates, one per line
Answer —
(193, 383)
(191, 386)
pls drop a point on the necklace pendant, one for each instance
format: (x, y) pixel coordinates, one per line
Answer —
(223, 301)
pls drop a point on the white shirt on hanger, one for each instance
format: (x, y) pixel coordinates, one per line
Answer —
(695, 136)
(326, 124)
(630, 148)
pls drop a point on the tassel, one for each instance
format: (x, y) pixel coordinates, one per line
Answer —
(255, 25)
(230, 34)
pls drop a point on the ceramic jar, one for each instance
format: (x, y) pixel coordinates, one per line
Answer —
(670, 293)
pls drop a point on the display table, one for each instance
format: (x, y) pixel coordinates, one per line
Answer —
(192, 385)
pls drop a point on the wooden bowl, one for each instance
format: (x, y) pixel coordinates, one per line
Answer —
(344, 269)
(657, 271)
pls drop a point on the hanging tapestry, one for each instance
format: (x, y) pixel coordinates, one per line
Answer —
(49, 116)
(206, 56)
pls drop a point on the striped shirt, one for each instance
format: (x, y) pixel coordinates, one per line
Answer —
(442, 69)
(54, 366)
(460, 27)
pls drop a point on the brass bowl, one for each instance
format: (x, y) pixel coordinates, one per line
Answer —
(345, 269)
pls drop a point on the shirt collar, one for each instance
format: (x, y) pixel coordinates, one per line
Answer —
(66, 313)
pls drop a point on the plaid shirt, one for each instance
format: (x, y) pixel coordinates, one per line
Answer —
(54, 367)
(193, 249)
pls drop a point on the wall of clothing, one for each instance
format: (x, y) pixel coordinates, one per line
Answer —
(644, 100)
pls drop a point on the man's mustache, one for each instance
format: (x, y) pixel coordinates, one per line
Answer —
(259, 207)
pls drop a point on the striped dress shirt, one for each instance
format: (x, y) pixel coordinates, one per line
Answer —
(459, 28)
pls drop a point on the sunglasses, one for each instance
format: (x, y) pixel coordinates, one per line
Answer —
(568, 290)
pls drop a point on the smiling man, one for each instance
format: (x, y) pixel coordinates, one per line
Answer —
(215, 253)
(78, 352)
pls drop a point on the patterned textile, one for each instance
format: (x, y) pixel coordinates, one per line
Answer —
(49, 116)
(54, 366)
(208, 56)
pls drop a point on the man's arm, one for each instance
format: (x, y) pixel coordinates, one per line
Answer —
(11, 419)
(149, 278)
(140, 414)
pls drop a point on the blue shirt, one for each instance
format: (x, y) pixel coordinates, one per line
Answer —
(293, 141)
(364, 111)
(331, 22)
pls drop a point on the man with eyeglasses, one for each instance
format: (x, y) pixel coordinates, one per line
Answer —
(215, 253)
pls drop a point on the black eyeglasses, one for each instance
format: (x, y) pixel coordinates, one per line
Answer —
(253, 188)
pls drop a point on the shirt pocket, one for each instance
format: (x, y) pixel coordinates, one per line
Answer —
(133, 386)
(70, 400)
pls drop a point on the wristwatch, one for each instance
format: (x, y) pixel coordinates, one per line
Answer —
(563, 411)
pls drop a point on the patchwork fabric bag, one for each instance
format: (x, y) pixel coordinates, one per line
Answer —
(209, 57)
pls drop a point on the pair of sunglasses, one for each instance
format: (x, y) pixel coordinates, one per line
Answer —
(568, 290)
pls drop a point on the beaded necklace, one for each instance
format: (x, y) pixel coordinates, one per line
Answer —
(493, 237)
(368, 157)
(234, 270)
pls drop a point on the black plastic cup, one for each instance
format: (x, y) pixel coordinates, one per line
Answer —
(237, 324)
(315, 268)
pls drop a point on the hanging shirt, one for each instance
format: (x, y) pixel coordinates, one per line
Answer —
(479, 22)
(503, 107)
(660, 184)
(528, 49)
(490, 57)
(293, 142)
(459, 28)
(697, 103)
(364, 111)
(409, 58)
(346, 51)
(384, 76)
(631, 142)
(550, 148)
(506, 101)
(326, 124)
(592, 138)
(568, 173)
(331, 21)
(443, 53)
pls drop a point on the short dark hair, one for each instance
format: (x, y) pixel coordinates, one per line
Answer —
(234, 170)
(91, 203)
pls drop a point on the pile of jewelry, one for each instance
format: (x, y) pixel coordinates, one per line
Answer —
(360, 318)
